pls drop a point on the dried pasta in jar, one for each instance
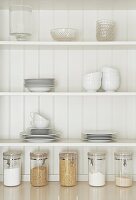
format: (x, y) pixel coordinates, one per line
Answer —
(68, 169)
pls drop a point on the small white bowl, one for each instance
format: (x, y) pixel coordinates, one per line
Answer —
(110, 86)
(95, 75)
(39, 89)
(64, 34)
(110, 70)
(92, 86)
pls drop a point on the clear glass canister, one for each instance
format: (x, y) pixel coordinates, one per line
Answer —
(123, 169)
(11, 168)
(68, 169)
(21, 21)
(96, 168)
(39, 169)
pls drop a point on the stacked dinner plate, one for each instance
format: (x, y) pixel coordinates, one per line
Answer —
(99, 136)
(40, 135)
(39, 85)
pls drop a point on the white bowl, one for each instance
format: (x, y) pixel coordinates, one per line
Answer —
(92, 86)
(93, 76)
(109, 70)
(110, 86)
(64, 34)
(39, 89)
(40, 123)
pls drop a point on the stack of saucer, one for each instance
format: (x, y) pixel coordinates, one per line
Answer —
(40, 135)
(99, 136)
(39, 85)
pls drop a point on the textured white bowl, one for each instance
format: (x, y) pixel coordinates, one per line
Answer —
(94, 75)
(92, 86)
(64, 34)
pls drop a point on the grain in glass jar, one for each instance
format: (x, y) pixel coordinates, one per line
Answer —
(68, 169)
(39, 169)
(12, 168)
(123, 169)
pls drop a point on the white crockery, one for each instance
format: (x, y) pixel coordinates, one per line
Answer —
(109, 70)
(92, 81)
(39, 121)
(96, 75)
(110, 85)
(39, 89)
(110, 79)
(37, 116)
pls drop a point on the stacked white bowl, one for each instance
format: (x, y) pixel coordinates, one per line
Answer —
(110, 79)
(92, 81)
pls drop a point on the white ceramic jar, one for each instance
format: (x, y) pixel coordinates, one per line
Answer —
(12, 168)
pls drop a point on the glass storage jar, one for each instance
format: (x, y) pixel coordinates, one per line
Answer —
(68, 168)
(96, 168)
(11, 168)
(123, 169)
(39, 169)
(21, 21)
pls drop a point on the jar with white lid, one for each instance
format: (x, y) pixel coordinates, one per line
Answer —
(123, 169)
(68, 168)
(96, 168)
(12, 168)
(39, 169)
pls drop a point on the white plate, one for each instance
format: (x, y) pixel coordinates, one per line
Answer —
(34, 128)
(100, 141)
(40, 140)
(39, 136)
(99, 138)
(99, 132)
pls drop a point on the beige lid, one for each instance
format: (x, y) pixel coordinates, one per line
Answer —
(68, 155)
(97, 154)
(123, 154)
(12, 155)
(38, 155)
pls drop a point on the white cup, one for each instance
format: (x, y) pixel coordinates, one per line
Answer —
(39, 121)
(40, 124)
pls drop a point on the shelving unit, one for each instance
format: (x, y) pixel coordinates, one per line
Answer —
(69, 108)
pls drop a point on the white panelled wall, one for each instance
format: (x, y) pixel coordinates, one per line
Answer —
(71, 115)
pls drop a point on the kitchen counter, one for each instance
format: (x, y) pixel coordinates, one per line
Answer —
(53, 191)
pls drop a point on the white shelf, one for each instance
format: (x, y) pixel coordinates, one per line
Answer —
(67, 94)
(69, 143)
(67, 44)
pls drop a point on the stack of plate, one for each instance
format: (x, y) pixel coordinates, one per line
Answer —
(99, 136)
(40, 135)
(39, 85)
